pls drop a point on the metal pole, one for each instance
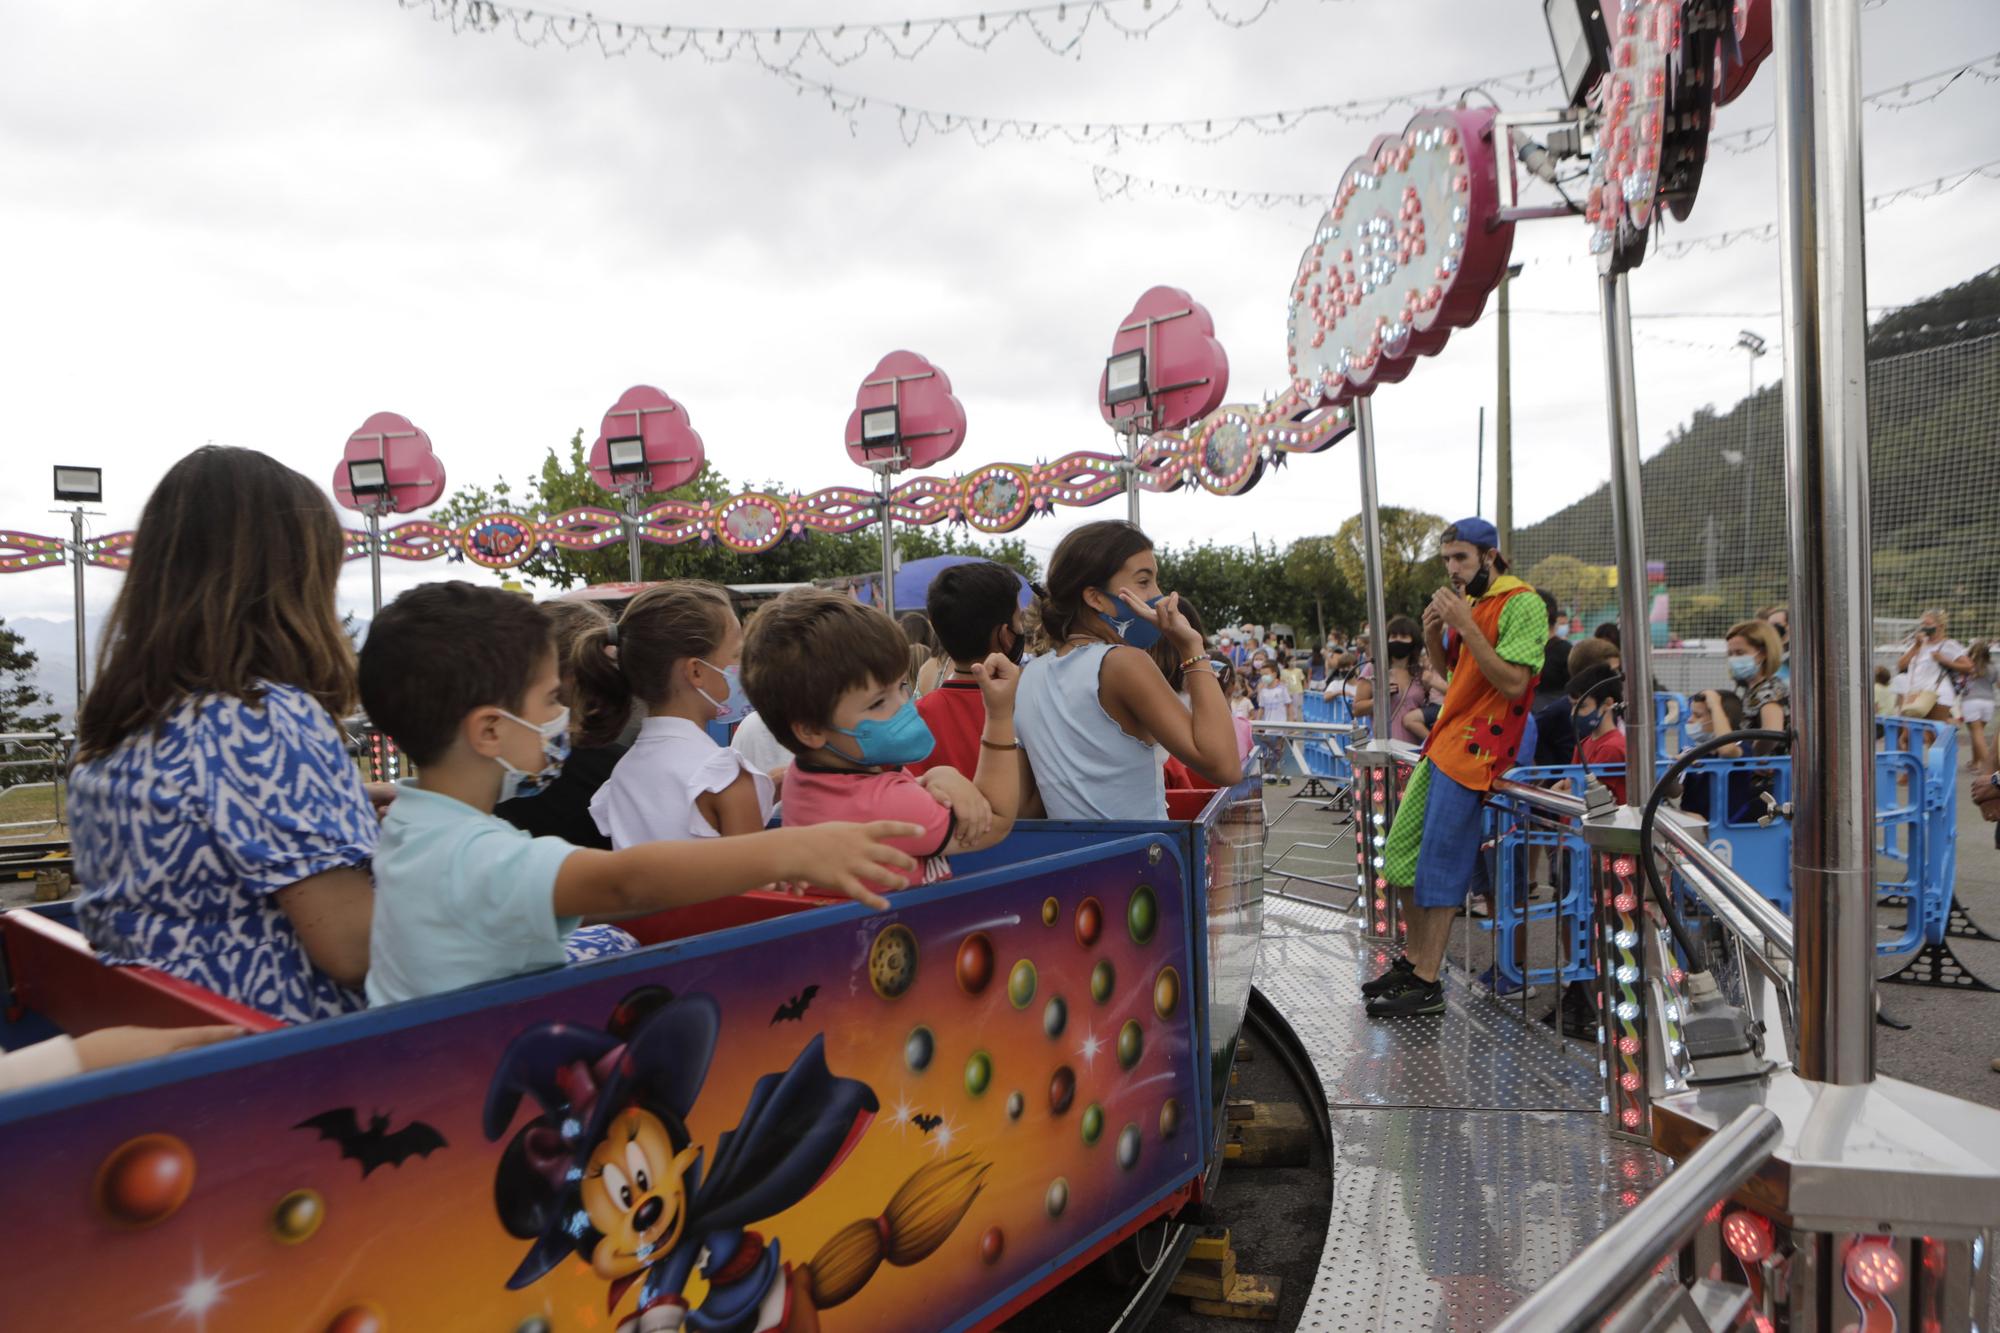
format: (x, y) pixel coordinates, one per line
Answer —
(1503, 426)
(632, 533)
(82, 638)
(375, 557)
(1628, 521)
(1132, 478)
(1371, 559)
(1479, 469)
(1823, 289)
(888, 552)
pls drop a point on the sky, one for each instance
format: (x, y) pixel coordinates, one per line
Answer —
(257, 224)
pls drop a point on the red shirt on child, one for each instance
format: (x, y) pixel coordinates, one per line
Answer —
(956, 714)
(823, 796)
(1604, 757)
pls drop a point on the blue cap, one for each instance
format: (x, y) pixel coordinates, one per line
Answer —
(1475, 530)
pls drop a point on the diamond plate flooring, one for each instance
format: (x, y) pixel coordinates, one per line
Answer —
(1470, 1161)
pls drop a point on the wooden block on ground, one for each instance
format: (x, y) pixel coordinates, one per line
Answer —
(1245, 1051)
(1206, 1280)
(1278, 1134)
(1253, 1297)
(1212, 1245)
(1241, 1108)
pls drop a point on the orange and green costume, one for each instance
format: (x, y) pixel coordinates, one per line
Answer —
(1433, 844)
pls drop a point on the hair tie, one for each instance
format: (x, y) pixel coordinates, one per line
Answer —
(611, 635)
(1039, 591)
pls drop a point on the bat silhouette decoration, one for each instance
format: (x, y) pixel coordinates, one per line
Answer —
(794, 1009)
(926, 1123)
(376, 1145)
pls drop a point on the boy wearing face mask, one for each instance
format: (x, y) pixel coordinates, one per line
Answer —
(831, 678)
(1595, 699)
(464, 680)
(975, 610)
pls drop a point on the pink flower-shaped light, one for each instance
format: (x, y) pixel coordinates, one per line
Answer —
(1734, 69)
(673, 449)
(415, 473)
(929, 415)
(1183, 352)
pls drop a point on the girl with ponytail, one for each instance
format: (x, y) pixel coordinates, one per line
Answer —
(562, 808)
(677, 652)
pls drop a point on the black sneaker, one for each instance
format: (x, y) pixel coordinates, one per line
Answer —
(1392, 977)
(1415, 998)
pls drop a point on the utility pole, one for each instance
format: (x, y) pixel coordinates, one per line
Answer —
(1756, 347)
(1503, 426)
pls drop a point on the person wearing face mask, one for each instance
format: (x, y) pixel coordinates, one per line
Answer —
(1091, 711)
(975, 611)
(562, 810)
(1487, 628)
(1754, 655)
(1595, 699)
(1934, 661)
(1403, 635)
(676, 652)
(464, 680)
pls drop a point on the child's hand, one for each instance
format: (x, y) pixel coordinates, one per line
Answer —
(998, 679)
(119, 1046)
(970, 809)
(849, 857)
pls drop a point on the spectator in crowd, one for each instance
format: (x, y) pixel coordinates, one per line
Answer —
(928, 663)
(1403, 633)
(1885, 692)
(1780, 620)
(1316, 669)
(1608, 632)
(1594, 651)
(1555, 738)
(1407, 695)
(562, 808)
(1934, 661)
(1294, 677)
(1755, 654)
(1975, 705)
(975, 611)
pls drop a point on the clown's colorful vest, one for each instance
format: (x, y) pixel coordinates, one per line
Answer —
(1478, 728)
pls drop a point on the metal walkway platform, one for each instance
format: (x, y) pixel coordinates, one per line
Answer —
(1470, 1160)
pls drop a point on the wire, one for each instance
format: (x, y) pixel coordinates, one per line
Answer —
(1059, 25)
(1896, 97)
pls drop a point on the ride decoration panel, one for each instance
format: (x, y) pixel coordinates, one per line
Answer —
(887, 1121)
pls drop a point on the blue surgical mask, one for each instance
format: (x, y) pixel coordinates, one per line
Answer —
(902, 739)
(1696, 733)
(734, 708)
(1135, 630)
(1586, 723)
(555, 749)
(1742, 666)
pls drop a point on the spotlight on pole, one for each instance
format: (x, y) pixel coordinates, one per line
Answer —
(80, 485)
(1582, 44)
(368, 478)
(625, 457)
(881, 431)
(1125, 377)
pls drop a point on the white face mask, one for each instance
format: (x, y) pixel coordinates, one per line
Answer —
(555, 749)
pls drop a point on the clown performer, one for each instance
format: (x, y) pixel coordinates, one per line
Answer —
(1486, 629)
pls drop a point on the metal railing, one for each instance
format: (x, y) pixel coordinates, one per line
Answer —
(1597, 1281)
(1718, 885)
(33, 761)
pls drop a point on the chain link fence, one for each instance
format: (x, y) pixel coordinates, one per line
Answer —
(1715, 500)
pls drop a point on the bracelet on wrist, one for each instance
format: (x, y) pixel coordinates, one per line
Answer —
(1000, 745)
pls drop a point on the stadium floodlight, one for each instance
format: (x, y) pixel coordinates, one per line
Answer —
(80, 485)
(368, 478)
(625, 456)
(1125, 377)
(1582, 44)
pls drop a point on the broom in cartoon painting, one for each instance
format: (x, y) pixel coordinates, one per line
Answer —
(608, 1171)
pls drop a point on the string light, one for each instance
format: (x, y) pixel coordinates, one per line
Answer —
(1060, 26)
(1897, 97)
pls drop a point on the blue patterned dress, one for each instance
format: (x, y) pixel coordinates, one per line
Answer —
(185, 832)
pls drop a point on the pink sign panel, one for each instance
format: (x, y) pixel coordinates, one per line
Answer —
(1736, 63)
(673, 450)
(1187, 372)
(414, 474)
(930, 420)
(1408, 251)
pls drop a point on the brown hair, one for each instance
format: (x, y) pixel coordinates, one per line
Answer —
(567, 622)
(808, 648)
(1168, 658)
(1591, 652)
(231, 585)
(442, 650)
(1763, 636)
(1087, 558)
(664, 625)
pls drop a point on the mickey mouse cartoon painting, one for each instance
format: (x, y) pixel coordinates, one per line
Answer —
(608, 1170)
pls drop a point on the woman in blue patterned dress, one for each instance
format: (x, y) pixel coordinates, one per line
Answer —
(221, 830)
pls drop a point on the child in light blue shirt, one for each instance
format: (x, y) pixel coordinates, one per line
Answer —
(464, 680)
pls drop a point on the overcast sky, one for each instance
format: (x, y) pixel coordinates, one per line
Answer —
(256, 224)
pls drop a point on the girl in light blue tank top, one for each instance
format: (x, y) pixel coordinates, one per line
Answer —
(1089, 713)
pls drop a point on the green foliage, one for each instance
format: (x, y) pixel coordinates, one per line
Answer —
(1410, 568)
(23, 706)
(564, 483)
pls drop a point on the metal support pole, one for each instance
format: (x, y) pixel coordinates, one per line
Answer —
(1132, 479)
(1503, 427)
(888, 551)
(1628, 515)
(1371, 560)
(82, 638)
(632, 533)
(375, 557)
(1823, 288)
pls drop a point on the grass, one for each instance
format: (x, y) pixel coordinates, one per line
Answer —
(34, 806)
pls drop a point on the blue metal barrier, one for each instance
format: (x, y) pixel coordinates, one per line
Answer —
(1512, 841)
(1325, 759)
(1670, 713)
(1931, 750)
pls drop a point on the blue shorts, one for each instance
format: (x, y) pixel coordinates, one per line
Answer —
(1454, 826)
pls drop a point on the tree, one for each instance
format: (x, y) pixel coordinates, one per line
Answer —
(1410, 572)
(1312, 566)
(564, 483)
(1578, 588)
(24, 706)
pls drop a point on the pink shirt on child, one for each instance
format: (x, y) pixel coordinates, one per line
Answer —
(820, 796)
